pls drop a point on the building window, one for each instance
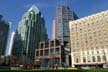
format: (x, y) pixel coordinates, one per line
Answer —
(80, 29)
(90, 37)
(46, 52)
(51, 51)
(57, 51)
(46, 44)
(98, 59)
(52, 43)
(93, 58)
(86, 42)
(87, 52)
(97, 52)
(92, 51)
(97, 48)
(41, 52)
(77, 60)
(57, 60)
(37, 53)
(88, 58)
(57, 43)
(66, 38)
(104, 58)
(94, 33)
(42, 45)
(84, 59)
(72, 28)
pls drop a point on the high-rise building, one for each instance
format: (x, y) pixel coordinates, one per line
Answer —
(89, 40)
(30, 32)
(4, 30)
(61, 25)
(11, 43)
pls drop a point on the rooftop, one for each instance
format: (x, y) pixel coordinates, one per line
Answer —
(34, 8)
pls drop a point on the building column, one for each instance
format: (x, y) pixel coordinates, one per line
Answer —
(81, 56)
(67, 60)
(72, 58)
(60, 62)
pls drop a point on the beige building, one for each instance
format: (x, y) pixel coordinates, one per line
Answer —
(89, 40)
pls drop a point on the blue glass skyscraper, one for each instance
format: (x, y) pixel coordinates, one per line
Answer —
(30, 32)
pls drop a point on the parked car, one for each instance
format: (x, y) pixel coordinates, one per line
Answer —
(60, 68)
(105, 66)
(71, 68)
(85, 67)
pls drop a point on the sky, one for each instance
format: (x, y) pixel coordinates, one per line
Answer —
(13, 10)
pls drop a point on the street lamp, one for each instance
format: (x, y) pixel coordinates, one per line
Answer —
(105, 65)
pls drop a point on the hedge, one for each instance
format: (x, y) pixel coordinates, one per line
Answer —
(81, 70)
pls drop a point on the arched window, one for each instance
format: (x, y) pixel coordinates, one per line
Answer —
(98, 59)
(104, 58)
(93, 58)
(84, 59)
(77, 60)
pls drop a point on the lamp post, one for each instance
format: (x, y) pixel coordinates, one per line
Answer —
(104, 56)
(105, 65)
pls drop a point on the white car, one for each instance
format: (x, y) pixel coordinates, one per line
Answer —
(86, 67)
(60, 68)
(105, 66)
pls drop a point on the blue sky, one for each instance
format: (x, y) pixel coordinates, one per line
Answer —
(12, 10)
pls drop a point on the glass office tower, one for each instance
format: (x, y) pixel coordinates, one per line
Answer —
(61, 22)
(61, 25)
(30, 32)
